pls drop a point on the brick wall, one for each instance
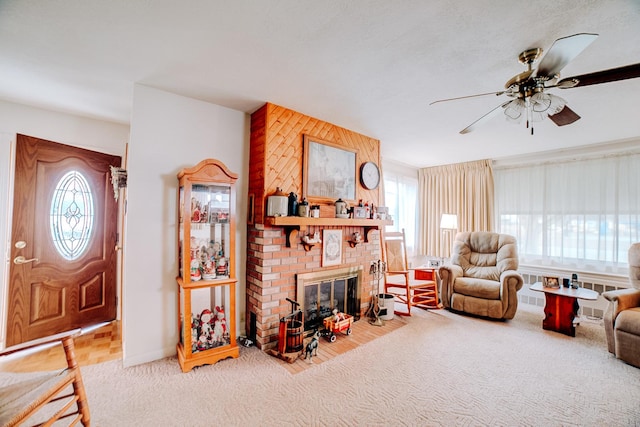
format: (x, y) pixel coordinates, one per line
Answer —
(272, 269)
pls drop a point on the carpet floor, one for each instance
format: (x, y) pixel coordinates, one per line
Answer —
(440, 369)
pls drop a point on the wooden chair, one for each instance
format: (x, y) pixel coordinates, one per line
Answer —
(54, 395)
(414, 288)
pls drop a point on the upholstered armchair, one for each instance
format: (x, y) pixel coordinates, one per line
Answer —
(622, 318)
(482, 277)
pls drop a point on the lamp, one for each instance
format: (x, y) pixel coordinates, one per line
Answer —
(448, 223)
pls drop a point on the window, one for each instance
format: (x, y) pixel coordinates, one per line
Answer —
(401, 197)
(71, 215)
(581, 213)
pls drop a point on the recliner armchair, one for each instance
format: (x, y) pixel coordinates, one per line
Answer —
(622, 318)
(481, 278)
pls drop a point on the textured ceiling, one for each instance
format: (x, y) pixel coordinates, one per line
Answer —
(370, 66)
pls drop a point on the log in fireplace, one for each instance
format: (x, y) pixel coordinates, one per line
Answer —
(319, 292)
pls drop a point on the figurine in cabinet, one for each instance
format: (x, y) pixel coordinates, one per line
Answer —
(205, 323)
(222, 267)
(195, 270)
(209, 270)
(219, 326)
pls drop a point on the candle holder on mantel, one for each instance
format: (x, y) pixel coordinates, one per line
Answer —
(377, 270)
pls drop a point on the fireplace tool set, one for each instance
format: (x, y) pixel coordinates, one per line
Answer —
(377, 270)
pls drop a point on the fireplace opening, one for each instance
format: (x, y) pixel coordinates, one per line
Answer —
(318, 293)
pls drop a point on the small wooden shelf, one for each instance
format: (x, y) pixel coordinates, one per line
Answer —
(299, 223)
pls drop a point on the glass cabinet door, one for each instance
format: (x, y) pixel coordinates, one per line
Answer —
(208, 326)
(209, 241)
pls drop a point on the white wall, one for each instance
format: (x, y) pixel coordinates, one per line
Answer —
(168, 133)
(67, 129)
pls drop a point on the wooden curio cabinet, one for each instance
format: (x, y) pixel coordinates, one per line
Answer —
(206, 259)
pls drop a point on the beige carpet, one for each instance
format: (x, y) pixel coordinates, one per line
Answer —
(441, 369)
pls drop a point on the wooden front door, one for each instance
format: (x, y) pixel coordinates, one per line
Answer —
(63, 240)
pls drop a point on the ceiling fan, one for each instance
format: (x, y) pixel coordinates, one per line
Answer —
(527, 91)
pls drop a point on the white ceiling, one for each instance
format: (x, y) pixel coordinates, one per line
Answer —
(370, 66)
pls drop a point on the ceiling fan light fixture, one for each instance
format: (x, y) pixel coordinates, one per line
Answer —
(540, 102)
(513, 111)
(535, 108)
(537, 116)
(557, 104)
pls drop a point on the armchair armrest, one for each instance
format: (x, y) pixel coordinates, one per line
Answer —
(511, 278)
(510, 283)
(448, 275)
(619, 300)
(623, 299)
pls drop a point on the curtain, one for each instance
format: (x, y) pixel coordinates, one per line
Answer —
(400, 197)
(464, 189)
(579, 213)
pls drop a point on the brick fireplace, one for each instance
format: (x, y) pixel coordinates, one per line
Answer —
(275, 253)
(275, 269)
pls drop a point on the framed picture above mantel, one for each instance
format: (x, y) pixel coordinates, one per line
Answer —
(328, 171)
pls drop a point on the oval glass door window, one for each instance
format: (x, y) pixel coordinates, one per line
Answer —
(72, 215)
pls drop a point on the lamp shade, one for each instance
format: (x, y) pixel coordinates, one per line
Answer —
(449, 222)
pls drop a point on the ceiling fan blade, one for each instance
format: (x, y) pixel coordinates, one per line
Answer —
(605, 76)
(470, 96)
(566, 116)
(562, 52)
(491, 114)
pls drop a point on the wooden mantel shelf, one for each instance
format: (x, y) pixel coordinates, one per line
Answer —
(298, 223)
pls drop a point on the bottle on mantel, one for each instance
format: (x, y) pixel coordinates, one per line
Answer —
(293, 204)
(367, 211)
(303, 208)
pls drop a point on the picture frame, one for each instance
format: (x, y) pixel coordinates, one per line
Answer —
(550, 282)
(331, 247)
(359, 212)
(328, 171)
(433, 263)
(382, 212)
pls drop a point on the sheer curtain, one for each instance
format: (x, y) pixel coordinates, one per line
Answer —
(464, 189)
(582, 214)
(400, 196)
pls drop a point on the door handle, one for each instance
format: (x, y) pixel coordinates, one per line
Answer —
(22, 260)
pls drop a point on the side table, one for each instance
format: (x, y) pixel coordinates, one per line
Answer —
(561, 307)
(429, 273)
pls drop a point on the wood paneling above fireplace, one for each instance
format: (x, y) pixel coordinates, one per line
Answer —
(276, 153)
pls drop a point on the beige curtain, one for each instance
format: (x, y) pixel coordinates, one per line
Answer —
(464, 189)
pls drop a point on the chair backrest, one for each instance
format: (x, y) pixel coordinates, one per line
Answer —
(396, 251)
(484, 254)
(634, 265)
